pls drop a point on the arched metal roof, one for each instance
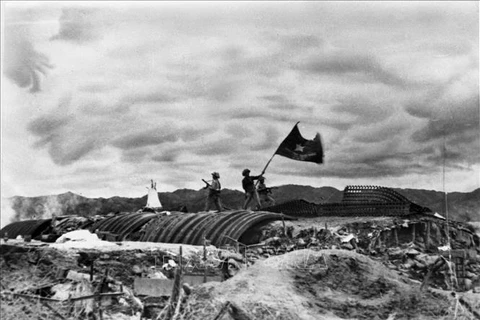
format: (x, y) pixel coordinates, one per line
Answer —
(357, 200)
(219, 228)
(362, 194)
(124, 224)
(32, 228)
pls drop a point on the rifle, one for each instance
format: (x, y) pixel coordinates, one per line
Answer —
(267, 190)
(208, 185)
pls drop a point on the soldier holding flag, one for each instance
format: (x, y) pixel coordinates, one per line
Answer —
(250, 190)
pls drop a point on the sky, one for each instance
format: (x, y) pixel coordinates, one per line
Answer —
(97, 98)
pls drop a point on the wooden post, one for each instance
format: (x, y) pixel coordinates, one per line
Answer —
(413, 232)
(180, 259)
(284, 228)
(395, 234)
(427, 236)
(222, 310)
(204, 259)
(91, 271)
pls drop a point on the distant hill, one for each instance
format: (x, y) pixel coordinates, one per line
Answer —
(461, 206)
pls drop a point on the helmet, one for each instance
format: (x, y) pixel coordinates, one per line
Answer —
(216, 174)
(245, 172)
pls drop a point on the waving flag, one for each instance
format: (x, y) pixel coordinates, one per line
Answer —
(298, 148)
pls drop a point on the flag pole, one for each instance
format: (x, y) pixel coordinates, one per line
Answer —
(264, 169)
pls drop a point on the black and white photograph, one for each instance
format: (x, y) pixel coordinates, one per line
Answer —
(240, 160)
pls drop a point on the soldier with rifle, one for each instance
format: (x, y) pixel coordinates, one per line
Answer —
(250, 190)
(214, 189)
(264, 192)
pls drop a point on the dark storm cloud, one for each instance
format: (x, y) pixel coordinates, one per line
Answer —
(78, 25)
(54, 133)
(149, 97)
(166, 157)
(134, 155)
(64, 153)
(438, 156)
(359, 67)
(194, 133)
(276, 98)
(301, 42)
(450, 119)
(47, 125)
(145, 138)
(22, 63)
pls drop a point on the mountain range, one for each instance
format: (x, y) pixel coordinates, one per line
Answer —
(463, 207)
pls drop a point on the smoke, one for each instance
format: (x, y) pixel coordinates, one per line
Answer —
(22, 63)
(7, 213)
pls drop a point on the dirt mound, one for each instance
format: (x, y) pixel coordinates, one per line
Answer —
(327, 284)
(354, 286)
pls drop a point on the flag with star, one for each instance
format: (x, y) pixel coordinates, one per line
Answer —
(298, 148)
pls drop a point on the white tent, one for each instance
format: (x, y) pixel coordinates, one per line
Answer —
(152, 201)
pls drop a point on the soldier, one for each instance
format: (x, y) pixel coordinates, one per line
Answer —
(214, 192)
(250, 190)
(264, 192)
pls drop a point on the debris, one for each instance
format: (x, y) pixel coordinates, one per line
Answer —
(78, 235)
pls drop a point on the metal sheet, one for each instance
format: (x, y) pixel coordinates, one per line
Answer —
(233, 222)
(195, 236)
(124, 224)
(177, 228)
(135, 225)
(31, 228)
(169, 222)
(190, 227)
(216, 227)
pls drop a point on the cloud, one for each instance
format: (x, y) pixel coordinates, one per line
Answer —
(362, 110)
(47, 126)
(220, 146)
(23, 64)
(359, 67)
(55, 133)
(301, 42)
(148, 97)
(151, 137)
(79, 25)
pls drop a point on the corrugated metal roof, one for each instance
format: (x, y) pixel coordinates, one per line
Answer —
(123, 225)
(219, 228)
(32, 228)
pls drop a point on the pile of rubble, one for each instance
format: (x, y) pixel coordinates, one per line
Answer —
(411, 258)
(84, 277)
(358, 270)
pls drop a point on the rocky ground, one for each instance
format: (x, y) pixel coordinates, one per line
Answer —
(300, 274)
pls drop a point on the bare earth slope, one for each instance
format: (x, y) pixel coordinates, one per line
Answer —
(327, 284)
